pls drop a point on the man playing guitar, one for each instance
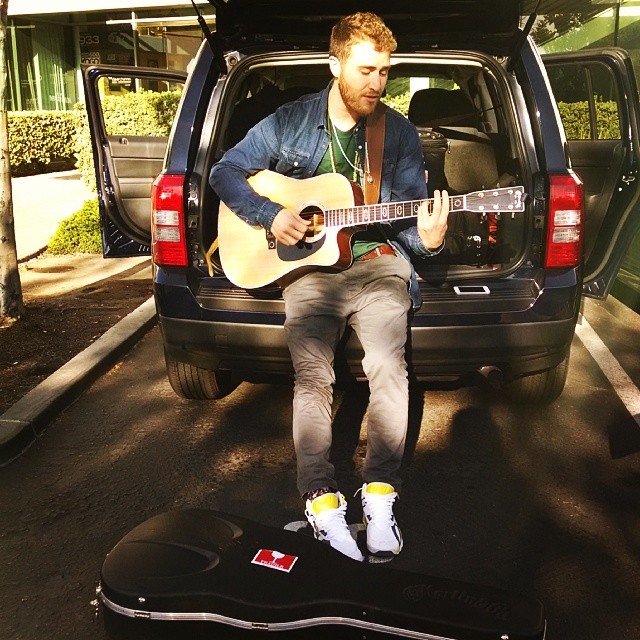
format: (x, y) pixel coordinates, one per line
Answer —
(323, 133)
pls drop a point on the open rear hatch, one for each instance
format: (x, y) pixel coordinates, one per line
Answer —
(489, 25)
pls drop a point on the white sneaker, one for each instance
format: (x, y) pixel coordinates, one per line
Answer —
(383, 534)
(326, 514)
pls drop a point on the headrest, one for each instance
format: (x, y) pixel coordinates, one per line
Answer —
(442, 107)
(250, 111)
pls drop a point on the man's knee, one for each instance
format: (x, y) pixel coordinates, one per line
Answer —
(382, 367)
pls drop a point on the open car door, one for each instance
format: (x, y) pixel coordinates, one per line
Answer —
(597, 97)
(130, 111)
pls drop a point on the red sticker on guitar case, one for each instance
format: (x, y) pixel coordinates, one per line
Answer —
(274, 560)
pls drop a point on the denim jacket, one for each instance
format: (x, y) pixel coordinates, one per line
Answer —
(293, 140)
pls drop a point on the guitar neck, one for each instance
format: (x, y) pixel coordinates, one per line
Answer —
(386, 212)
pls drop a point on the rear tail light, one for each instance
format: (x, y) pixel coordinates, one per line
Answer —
(565, 233)
(168, 242)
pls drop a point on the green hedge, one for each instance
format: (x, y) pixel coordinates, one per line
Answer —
(143, 113)
(398, 102)
(79, 233)
(575, 117)
(41, 141)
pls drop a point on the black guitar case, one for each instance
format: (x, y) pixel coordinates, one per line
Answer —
(197, 565)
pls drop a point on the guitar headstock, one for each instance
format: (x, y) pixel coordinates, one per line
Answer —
(501, 199)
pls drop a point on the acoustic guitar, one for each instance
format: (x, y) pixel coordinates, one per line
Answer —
(334, 205)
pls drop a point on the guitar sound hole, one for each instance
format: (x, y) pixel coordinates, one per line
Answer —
(315, 215)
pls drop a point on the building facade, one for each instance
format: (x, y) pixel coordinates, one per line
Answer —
(48, 41)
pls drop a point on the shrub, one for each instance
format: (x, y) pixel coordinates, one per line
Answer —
(82, 148)
(41, 141)
(141, 113)
(575, 118)
(79, 233)
(399, 102)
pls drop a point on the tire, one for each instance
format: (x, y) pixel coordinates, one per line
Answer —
(194, 383)
(539, 388)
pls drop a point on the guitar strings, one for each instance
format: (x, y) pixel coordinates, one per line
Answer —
(401, 210)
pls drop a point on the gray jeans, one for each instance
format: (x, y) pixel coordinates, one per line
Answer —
(372, 298)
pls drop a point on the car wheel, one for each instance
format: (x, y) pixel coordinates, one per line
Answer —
(539, 388)
(195, 383)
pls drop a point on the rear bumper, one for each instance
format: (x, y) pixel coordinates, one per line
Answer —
(247, 336)
(435, 351)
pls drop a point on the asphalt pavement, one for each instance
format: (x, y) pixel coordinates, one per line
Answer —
(40, 203)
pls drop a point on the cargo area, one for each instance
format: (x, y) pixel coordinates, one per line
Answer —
(461, 110)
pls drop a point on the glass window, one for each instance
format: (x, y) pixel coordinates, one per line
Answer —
(138, 106)
(587, 101)
(605, 97)
(23, 77)
(42, 73)
(151, 45)
(101, 44)
(590, 24)
(54, 62)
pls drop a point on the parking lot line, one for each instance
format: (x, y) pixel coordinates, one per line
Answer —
(623, 385)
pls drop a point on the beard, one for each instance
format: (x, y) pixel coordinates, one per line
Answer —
(354, 101)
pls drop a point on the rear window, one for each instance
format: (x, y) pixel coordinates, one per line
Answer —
(473, 100)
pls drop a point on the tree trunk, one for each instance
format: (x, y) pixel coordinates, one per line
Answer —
(11, 304)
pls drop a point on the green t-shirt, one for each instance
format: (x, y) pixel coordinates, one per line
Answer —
(334, 161)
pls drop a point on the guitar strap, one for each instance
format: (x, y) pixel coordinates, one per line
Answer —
(375, 149)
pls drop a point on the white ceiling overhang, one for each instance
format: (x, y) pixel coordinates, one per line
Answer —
(38, 7)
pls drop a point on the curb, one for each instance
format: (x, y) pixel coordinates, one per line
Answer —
(25, 421)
